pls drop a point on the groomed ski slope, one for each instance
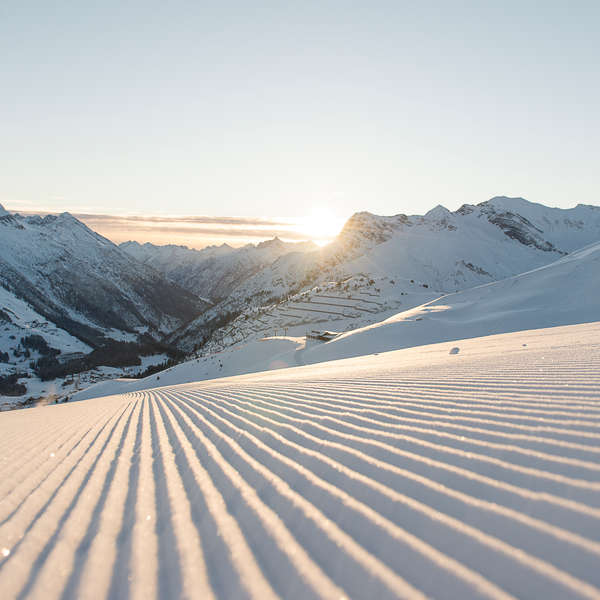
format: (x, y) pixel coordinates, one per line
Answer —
(459, 470)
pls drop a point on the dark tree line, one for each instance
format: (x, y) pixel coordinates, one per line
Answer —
(10, 386)
(111, 354)
(37, 342)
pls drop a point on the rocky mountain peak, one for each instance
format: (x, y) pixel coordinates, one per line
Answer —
(367, 226)
(438, 213)
(274, 243)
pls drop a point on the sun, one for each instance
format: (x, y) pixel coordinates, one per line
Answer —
(321, 225)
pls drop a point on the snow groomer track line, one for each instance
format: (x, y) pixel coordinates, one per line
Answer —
(415, 473)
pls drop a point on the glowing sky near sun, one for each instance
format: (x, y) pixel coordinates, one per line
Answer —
(198, 232)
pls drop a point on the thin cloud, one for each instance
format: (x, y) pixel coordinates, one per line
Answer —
(196, 232)
(200, 220)
(193, 231)
(212, 231)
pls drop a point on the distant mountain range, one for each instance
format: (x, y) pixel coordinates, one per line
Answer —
(215, 271)
(79, 282)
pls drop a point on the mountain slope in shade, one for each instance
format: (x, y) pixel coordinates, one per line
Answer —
(18, 319)
(84, 283)
(447, 251)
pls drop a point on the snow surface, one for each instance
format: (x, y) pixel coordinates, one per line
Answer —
(562, 293)
(458, 470)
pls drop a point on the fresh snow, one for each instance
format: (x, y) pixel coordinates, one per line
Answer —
(562, 293)
(459, 470)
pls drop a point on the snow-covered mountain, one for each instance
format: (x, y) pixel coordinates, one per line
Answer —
(565, 292)
(444, 251)
(73, 281)
(452, 251)
(85, 284)
(18, 320)
(215, 271)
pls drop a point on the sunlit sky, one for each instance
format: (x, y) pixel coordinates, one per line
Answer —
(320, 227)
(295, 112)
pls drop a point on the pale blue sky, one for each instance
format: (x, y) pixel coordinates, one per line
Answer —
(276, 108)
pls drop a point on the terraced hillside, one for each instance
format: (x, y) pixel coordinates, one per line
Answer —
(340, 306)
(458, 470)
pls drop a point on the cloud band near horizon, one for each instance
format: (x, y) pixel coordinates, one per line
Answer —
(193, 231)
